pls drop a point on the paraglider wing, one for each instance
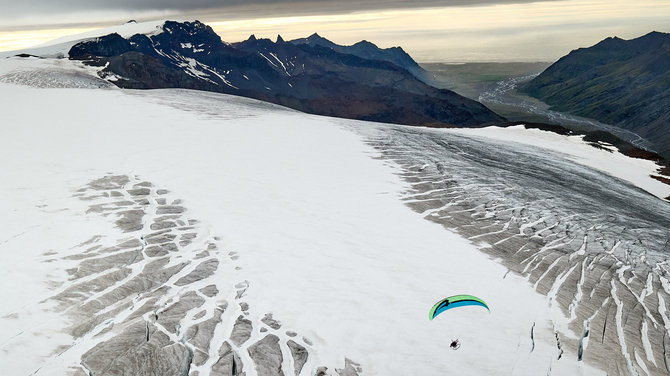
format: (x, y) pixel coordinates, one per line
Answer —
(455, 301)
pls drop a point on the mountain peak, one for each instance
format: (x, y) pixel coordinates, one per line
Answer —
(316, 38)
(187, 27)
(365, 49)
(365, 43)
(609, 42)
(280, 39)
(656, 35)
(647, 40)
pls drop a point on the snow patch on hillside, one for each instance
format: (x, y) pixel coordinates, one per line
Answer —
(51, 73)
(634, 170)
(125, 30)
(59, 47)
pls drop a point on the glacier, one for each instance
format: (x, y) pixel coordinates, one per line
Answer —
(213, 235)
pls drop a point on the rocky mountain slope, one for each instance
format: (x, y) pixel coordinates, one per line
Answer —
(307, 76)
(367, 50)
(620, 82)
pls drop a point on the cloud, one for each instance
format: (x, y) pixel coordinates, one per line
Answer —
(43, 5)
(54, 12)
(522, 31)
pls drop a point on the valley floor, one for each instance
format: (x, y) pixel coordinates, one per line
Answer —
(495, 85)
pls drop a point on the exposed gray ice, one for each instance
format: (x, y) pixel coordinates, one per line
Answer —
(157, 296)
(597, 246)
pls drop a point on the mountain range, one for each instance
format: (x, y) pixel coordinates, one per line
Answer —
(368, 50)
(312, 75)
(620, 82)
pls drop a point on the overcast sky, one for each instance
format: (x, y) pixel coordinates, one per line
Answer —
(49, 11)
(430, 30)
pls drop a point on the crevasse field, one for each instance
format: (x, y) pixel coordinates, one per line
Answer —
(144, 232)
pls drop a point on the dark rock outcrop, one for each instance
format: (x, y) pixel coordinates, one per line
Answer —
(105, 46)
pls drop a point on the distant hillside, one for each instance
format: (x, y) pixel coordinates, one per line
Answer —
(620, 82)
(308, 77)
(368, 50)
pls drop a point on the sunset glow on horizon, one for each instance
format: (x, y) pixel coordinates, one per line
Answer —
(539, 31)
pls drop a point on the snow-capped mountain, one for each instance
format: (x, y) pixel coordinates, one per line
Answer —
(308, 77)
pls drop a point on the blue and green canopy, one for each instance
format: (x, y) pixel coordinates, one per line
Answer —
(454, 302)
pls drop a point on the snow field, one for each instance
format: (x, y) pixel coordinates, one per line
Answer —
(323, 239)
